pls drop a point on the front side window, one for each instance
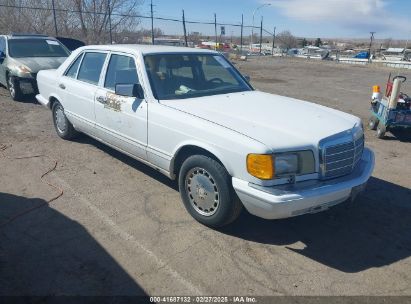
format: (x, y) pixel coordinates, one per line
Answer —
(121, 70)
(177, 76)
(91, 66)
(72, 71)
(20, 48)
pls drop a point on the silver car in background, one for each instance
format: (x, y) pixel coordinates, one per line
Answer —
(23, 56)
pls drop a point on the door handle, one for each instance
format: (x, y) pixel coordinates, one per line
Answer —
(101, 99)
(62, 86)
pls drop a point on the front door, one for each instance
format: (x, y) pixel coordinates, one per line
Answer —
(121, 121)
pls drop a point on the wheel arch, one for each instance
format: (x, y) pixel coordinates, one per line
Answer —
(52, 99)
(189, 149)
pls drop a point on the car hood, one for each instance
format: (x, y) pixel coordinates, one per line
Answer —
(36, 64)
(279, 122)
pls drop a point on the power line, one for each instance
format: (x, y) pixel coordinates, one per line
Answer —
(130, 15)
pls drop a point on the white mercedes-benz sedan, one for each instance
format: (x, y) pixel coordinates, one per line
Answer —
(191, 115)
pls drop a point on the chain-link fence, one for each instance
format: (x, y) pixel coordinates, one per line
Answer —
(120, 21)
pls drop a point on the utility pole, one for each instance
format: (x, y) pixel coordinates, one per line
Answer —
(54, 15)
(273, 47)
(152, 22)
(369, 50)
(261, 34)
(185, 30)
(215, 30)
(241, 35)
(109, 20)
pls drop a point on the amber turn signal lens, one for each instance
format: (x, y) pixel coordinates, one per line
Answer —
(260, 165)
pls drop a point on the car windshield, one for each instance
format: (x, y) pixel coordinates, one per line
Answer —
(177, 76)
(19, 48)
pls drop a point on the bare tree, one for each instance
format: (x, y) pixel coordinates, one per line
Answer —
(287, 40)
(93, 17)
(84, 19)
(18, 18)
(388, 42)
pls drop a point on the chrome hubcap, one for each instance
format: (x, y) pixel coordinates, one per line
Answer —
(11, 88)
(202, 191)
(60, 120)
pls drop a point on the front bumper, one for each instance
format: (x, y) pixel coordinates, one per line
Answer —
(304, 197)
(28, 85)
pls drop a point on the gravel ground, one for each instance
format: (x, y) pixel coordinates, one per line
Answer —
(121, 229)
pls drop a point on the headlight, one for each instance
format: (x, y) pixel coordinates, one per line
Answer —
(23, 69)
(286, 164)
(269, 166)
(290, 163)
(358, 131)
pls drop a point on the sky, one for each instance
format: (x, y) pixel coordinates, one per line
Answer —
(304, 18)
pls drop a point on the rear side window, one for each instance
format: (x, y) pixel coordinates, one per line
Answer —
(91, 66)
(121, 69)
(72, 71)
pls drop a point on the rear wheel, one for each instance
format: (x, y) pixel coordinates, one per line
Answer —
(207, 193)
(381, 129)
(373, 123)
(63, 126)
(13, 86)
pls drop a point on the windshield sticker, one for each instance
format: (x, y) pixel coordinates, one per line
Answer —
(52, 42)
(222, 61)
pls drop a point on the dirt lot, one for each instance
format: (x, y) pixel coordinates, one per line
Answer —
(121, 229)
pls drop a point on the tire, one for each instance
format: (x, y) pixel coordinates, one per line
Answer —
(13, 86)
(62, 125)
(381, 129)
(373, 123)
(207, 193)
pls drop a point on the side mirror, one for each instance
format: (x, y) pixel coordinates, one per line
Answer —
(2, 56)
(130, 90)
(247, 77)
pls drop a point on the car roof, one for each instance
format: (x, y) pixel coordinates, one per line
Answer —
(28, 36)
(146, 49)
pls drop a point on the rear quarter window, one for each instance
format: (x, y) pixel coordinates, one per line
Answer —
(73, 69)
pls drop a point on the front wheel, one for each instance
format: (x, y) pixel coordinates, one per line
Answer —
(13, 85)
(62, 125)
(207, 193)
(381, 129)
(373, 123)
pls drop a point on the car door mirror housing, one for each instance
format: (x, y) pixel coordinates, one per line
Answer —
(130, 90)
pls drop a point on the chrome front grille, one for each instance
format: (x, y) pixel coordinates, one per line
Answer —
(339, 157)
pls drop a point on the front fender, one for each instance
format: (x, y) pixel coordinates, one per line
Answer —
(204, 146)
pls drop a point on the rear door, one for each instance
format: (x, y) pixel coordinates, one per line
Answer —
(121, 121)
(78, 86)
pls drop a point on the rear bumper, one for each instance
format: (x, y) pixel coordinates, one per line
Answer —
(304, 197)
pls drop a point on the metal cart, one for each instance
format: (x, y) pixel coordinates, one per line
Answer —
(384, 119)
